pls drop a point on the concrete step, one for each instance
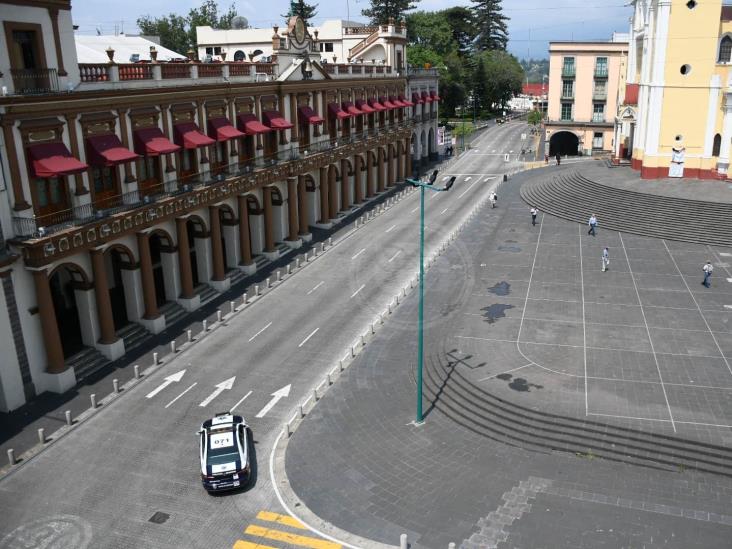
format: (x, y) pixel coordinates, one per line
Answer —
(87, 362)
(471, 406)
(172, 312)
(133, 335)
(283, 248)
(206, 292)
(235, 276)
(260, 261)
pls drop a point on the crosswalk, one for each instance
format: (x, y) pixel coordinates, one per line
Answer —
(274, 527)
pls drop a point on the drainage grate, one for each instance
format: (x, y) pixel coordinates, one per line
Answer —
(159, 517)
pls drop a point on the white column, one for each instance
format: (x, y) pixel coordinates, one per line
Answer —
(231, 236)
(655, 99)
(715, 85)
(86, 304)
(171, 275)
(203, 259)
(723, 162)
(134, 302)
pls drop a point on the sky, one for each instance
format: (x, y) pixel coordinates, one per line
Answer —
(533, 23)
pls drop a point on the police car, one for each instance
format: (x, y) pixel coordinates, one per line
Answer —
(224, 452)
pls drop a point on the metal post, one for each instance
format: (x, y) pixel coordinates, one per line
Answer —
(155, 357)
(245, 298)
(279, 275)
(136, 369)
(218, 315)
(115, 385)
(93, 399)
(420, 334)
(11, 456)
(42, 436)
(172, 346)
(403, 543)
(189, 335)
(233, 307)
(205, 325)
(69, 420)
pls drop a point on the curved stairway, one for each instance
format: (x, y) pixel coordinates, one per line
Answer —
(476, 409)
(573, 197)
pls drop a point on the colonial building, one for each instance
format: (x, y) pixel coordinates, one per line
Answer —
(677, 115)
(133, 192)
(583, 83)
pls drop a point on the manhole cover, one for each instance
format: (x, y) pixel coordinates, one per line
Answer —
(159, 517)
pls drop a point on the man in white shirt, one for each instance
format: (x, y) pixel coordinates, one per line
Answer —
(593, 224)
(493, 198)
(534, 212)
(708, 268)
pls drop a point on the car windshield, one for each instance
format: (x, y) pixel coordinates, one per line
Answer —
(222, 448)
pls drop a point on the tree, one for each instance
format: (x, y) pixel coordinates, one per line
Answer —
(462, 24)
(534, 118)
(305, 11)
(492, 25)
(381, 11)
(431, 30)
(504, 77)
(208, 15)
(171, 30)
(481, 99)
(420, 56)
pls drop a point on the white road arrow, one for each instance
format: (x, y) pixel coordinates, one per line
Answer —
(175, 378)
(220, 388)
(276, 396)
(468, 178)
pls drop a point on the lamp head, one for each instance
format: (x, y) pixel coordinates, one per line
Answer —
(450, 183)
(433, 178)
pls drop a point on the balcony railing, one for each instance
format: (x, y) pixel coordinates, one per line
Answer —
(568, 70)
(601, 71)
(596, 117)
(45, 225)
(34, 81)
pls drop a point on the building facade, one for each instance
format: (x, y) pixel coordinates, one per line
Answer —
(582, 98)
(677, 115)
(133, 192)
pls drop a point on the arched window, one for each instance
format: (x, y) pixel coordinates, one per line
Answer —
(239, 56)
(725, 50)
(717, 145)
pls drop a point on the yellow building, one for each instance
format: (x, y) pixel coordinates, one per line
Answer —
(676, 113)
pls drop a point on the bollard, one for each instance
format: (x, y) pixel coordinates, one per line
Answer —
(42, 436)
(451, 545)
(411, 283)
(233, 307)
(340, 365)
(245, 298)
(155, 357)
(218, 315)
(373, 331)
(353, 351)
(115, 385)
(404, 291)
(93, 399)
(172, 346)
(403, 542)
(289, 268)
(315, 394)
(297, 262)
(137, 369)
(189, 335)
(330, 241)
(205, 325)
(389, 308)
(287, 430)
(328, 380)
(363, 341)
(69, 420)
(322, 247)
(11, 456)
(315, 251)
(397, 299)
(269, 282)
(301, 411)
(279, 276)
(256, 289)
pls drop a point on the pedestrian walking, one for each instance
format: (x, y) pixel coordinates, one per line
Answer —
(605, 259)
(546, 159)
(559, 159)
(708, 268)
(493, 198)
(593, 225)
(533, 211)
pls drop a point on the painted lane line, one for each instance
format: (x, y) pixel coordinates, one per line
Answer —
(180, 395)
(390, 229)
(269, 516)
(304, 341)
(728, 306)
(359, 253)
(729, 280)
(235, 406)
(725, 254)
(394, 256)
(220, 388)
(276, 397)
(434, 195)
(466, 190)
(319, 284)
(443, 211)
(415, 209)
(288, 538)
(260, 331)
(356, 292)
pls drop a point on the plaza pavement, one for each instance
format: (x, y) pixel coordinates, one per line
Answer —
(643, 346)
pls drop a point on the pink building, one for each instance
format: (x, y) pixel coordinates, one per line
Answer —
(583, 87)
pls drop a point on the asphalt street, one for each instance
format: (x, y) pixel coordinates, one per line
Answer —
(102, 483)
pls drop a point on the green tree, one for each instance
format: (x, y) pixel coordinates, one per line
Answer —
(534, 118)
(504, 77)
(208, 15)
(305, 11)
(381, 11)
(171, 29)
(481, 99)
(462, 24)
(419, 56)
(492, 25)
(431, 30)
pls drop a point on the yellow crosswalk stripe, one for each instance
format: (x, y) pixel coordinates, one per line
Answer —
(241, 544)
(269, 516)
(277, 535)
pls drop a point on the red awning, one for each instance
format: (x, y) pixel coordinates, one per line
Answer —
(251, 125)
(221, 129)
(351, 109)
(426, 97)
(386, 103)
(434, 96)
(417, 99)
(107, 150)
(336, 111)
(276, 121)
(188, 135)
(406, 102)
(378, 107)
(364, 107)
(152, 142)
(308, 116)
(396, 102)
(53, 160)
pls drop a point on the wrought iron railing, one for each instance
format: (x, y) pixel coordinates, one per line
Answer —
(34, 81)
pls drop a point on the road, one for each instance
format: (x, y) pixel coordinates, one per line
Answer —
(136, 460)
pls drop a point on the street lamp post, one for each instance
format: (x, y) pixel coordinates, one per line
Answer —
(420, 322)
